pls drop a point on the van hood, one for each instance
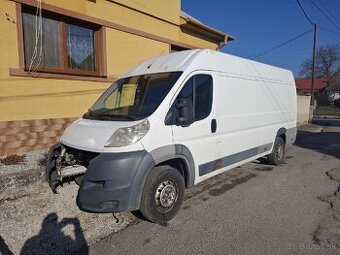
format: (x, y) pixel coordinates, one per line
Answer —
(91, 135)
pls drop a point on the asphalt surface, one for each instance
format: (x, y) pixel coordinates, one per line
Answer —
(254, 209)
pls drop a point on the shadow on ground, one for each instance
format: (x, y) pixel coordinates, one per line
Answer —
(327, 143)
(4, 249)
(57, 237)
(327, 122)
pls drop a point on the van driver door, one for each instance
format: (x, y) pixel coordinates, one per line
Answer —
(200, 135)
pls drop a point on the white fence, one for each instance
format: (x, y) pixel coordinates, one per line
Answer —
(303, 109)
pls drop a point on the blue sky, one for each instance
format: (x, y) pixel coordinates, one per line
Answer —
(261, 24)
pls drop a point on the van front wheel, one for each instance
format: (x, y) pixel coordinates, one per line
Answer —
(278, 154)
(162, 195)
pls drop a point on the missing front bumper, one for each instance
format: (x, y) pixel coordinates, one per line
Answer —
(64, 164)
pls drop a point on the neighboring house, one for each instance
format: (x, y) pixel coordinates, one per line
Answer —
(332, 96)
(304, 85)
(333, 90)
(54, 67)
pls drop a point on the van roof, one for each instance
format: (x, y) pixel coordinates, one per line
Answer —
(210, 60)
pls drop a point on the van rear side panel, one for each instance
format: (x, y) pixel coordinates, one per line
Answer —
(250, 112)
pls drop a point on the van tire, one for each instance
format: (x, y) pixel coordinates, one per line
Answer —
(162, 195)
(278, 154)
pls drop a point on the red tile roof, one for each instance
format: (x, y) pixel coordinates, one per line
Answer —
(304, 84)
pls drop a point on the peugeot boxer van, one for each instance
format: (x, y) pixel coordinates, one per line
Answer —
(170, 123)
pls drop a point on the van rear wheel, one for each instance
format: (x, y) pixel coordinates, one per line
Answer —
(162, 195)
(278, 154)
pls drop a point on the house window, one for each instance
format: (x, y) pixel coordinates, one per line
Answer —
(62, 46)
(81, 48)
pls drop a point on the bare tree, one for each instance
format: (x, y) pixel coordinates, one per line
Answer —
(327, 62)
(334, 82)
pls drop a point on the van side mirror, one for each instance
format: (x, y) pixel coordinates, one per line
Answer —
(185, 112)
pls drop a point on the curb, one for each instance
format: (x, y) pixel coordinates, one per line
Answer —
(18, 184)
(310, 128)
(336, 117)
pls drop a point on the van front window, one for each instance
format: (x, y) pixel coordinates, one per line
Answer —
(133, 98)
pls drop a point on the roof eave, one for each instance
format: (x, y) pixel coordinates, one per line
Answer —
(214, 34)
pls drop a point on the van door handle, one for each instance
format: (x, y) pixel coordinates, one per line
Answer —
(213, 126)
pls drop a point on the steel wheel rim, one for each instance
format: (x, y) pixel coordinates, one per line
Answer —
(166, 195)
(279, 152)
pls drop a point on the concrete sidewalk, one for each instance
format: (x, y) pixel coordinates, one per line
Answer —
(32, 216)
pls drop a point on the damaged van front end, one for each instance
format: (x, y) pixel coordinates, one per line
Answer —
(112, 182)
(105, 169)
(66, 164)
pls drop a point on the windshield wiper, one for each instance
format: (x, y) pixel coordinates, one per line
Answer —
(114, 116)
(89, 112)
(108, 111)
(93, 116)
(112, 113)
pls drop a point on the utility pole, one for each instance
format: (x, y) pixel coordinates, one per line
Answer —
(313, 67)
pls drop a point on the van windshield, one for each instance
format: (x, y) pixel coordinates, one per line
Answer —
(133, 98)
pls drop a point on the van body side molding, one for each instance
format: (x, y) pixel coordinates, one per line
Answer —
(232, 159)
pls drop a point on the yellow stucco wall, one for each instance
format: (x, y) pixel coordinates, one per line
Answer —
(23, 98)
(8, 41)
(167, 10)
(129, 50)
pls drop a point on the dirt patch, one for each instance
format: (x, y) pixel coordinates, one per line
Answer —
(146, 241)
(43, 161)
(228, 186)
(214, 181)
(264, 168)
(186, 207)
(13, 160)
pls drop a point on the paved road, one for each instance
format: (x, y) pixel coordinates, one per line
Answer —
(255, 209)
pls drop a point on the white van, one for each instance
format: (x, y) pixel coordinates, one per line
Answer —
(170, 123)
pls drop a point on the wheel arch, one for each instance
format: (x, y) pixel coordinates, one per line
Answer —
(177, 156)
(181, 164)
(276, 156)
(282, 132)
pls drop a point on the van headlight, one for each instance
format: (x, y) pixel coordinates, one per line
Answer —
(128, 135)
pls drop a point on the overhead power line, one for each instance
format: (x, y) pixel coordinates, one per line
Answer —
(324, 14)
(266, 51)
(333, 33)
(330, 30)
(314, 49)
(329, 11)
(304, 13)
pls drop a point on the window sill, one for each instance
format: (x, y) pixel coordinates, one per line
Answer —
(23, 73)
